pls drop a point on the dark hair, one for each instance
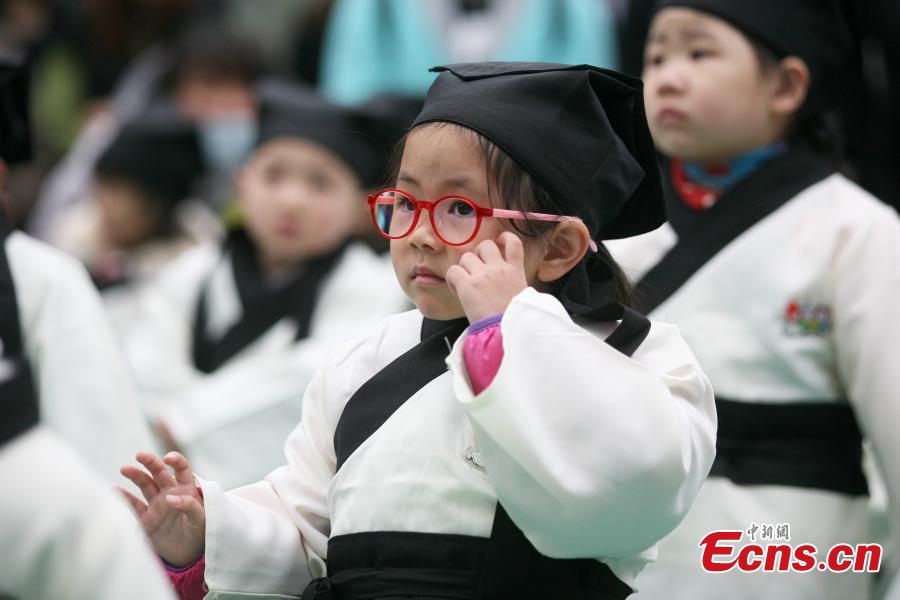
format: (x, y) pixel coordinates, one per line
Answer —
(808, 126)
(508, 181)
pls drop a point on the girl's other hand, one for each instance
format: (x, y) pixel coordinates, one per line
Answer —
(488, 278)
(173, 515)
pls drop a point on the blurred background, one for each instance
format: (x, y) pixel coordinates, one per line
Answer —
(97, 63)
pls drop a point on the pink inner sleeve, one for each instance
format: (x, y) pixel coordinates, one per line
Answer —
(483, 353)
(189, 582)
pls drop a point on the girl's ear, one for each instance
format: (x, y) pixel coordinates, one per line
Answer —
(565, 246)
(791, 87)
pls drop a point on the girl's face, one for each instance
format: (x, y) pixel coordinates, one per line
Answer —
(437, 162)
(706, 92)
(299, 201)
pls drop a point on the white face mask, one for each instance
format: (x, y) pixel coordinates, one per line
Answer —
(227, 140)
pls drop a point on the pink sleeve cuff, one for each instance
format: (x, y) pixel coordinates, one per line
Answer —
(483, 351)
(188, 581)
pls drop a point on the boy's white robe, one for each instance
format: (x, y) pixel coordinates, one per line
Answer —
(232, 423)
(594, 454)
(834, 246)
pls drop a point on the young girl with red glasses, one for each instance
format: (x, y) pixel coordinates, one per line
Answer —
(522, 434)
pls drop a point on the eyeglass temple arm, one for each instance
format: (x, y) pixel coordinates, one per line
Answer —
(520, 214)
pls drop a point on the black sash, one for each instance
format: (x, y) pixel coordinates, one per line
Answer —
(262, 305)
(373, 565)
(807, 445)
(702, 234)
(18, 400)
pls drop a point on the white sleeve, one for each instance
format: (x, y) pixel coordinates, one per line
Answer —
(592, 453)
(867, 337)
(65, 533)
(86, 393)
(272, 537)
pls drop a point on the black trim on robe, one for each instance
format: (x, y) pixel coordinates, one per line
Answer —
(18, 402)
(262, 303)
(386, 564)
(379, 397)
(814, 445)
(18, 399)
(702, 234)
(10, 328)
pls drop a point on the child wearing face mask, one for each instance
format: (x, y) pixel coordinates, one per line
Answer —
(784, 278)
(230, 334)
(522, 433)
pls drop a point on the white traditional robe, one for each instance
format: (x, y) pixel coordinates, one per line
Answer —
(611, 449)
(801, 307)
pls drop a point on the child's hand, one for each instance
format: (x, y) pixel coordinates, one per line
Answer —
(487, 279)
(173, 517)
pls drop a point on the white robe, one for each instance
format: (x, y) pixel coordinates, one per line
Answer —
(64, 533)
(612, 450)
(833, 246)
(232, 423)
(86, 394)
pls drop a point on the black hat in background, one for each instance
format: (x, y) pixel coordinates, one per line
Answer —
(813, 30)
(15, 124)
(362, 136)
(581, 133)
(158, 151)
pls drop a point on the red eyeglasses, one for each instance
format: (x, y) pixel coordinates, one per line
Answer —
(454, 219)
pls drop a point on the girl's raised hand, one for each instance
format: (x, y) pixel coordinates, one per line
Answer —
(173, 515)
(488, 278)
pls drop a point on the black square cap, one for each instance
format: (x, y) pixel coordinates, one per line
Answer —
(814, 30)
(362, 136)
(579, 130)
(158, 151)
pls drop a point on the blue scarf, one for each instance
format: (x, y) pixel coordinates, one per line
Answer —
(730, 173)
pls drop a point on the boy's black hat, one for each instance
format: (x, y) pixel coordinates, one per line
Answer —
(158, 151)
(15, 129)
(580, 131)
(814, 30)
(362, 136)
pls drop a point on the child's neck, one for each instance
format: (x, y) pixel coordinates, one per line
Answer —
(276, 270)
(700, 185)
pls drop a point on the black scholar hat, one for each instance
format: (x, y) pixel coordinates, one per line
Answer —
(158, 151)
(362, 136)
(580, 131)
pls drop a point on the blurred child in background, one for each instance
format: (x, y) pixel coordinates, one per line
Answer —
(141, 217)
(232, 334)
(784, 278)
